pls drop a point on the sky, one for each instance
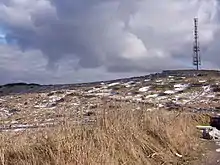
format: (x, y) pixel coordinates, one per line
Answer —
(71, 41)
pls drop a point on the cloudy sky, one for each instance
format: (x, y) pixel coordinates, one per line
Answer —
(68, 41)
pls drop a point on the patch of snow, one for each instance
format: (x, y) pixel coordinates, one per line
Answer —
(210, 96)
(2, 100)
(128, 86)
(161, 98)
(144, 89)
(113, 84)
(151, 96)
(70, 91)
(49, 120)
(206, 88)
(75, 104)
(102, 94)
(18, 129)
(138, 99)
(105, 91)
(14, 122)
(128, 97)
(179, 89)
(202, 81)
(94, 90)
(138, 95)
(46, 124)
(55, 99)
(40, 106)
(22, 125)
(180, 85)
(170, 92)
(179, 155)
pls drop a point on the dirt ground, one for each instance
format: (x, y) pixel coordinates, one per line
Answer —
(211, 157)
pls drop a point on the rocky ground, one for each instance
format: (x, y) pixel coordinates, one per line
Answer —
(55, 104)
(32, 106)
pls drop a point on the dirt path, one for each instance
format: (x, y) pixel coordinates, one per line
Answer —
(212, 157)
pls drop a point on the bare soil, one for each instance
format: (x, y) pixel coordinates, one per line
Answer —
(211, 157)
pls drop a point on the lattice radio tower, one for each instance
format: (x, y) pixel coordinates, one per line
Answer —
(196, 49)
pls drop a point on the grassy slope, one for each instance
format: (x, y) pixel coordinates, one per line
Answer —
(121, 136)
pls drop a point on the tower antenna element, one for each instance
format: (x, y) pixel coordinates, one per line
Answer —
(196, 49)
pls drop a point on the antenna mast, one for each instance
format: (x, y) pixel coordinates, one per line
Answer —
(196, 50)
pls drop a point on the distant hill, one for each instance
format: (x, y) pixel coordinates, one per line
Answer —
(19, 84)
(18, 88)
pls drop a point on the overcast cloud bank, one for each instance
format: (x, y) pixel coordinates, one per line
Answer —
(86, 40)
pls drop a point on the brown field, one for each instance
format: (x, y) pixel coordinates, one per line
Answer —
(118, 136)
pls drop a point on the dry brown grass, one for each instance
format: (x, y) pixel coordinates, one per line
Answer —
(120, 136)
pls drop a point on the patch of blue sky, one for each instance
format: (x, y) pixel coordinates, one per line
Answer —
(2, 36)
(4, 39)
